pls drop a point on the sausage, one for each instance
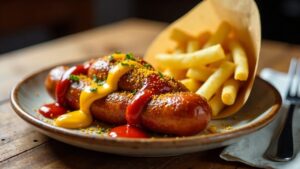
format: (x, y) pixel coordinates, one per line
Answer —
(177, 112)
(134, 79)
(53, 77)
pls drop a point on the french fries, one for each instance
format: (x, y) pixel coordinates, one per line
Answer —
(219, 36)
(215, 81)
(188, 60)
(191, 84)
(216, 104)
(240, 59)
(229, 91)
(180, 36)
(200, 73)
(175, 73)
(192, 46)
(201, 64)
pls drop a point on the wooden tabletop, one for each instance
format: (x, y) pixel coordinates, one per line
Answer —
(23, 147)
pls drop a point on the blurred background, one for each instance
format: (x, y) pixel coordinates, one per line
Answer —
(25, 23)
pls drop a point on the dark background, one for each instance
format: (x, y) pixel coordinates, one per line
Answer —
(27, 22)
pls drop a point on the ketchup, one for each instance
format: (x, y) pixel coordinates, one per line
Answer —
(52, 110)
(127, 131)
(64, 84)
(153, 86)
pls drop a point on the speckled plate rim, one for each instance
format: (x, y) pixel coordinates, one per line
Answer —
(157, 142)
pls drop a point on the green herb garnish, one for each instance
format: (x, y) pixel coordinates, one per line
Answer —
(129, 56)
(134, 92)
(124, 64)
(93, 89)
(111, 58)
(147, 65)
(98, 81)
(95, 78)
(117, 52)
(160, 74)
(74, 78)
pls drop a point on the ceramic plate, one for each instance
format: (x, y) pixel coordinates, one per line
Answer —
(29, 94)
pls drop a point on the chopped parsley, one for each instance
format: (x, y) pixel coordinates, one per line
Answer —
(134, 92)
(160, 74)
(74, 78)
(98, 81)
(95, 78)
(124, 64)
(111, 58)
(147, 65)
(129, 56)
(93, 89)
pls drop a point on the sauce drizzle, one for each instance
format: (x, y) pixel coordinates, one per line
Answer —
(65, 82)
(153, 86)
(52, 110)
(127, 131)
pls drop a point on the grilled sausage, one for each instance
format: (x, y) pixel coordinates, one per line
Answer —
(177, 112)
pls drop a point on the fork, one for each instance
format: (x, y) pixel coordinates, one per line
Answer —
(282, 148)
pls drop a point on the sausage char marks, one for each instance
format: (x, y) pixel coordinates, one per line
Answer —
(174, 111)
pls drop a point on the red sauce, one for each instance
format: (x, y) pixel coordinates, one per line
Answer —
(52, 110)
(64, 84)
(153, 86)
(127, 131)
(136, 106)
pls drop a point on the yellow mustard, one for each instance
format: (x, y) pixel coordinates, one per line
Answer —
(82, 118)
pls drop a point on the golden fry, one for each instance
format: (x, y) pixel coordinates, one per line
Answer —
(240, 59)
(194, 59)
(229, 91)
(216, 104)
(200, 73)
(192, 46)
(192, 84)
(215, 81)
(180, 36)
(175, 73)
(218, 37)
(217, 64)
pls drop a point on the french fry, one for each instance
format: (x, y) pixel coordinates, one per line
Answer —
(203, 38)
(188, 60)
(229, 91)
(178, 50)
(216, 80)
(192, 46)
(240, 59)
(180, 36)
(218, 37)
(228, 57)
(191, 84)
(177, 74)
(200, 73)
(216, 104)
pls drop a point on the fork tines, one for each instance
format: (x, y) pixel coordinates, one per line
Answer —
(293, 93)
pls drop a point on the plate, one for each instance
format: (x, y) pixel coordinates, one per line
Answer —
(262, 106)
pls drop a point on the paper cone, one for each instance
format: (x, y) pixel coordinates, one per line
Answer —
(242, 15)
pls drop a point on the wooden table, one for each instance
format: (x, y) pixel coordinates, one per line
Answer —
(23, 147)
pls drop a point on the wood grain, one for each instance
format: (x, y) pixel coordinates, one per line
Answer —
(22, 147)
(128, 36)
